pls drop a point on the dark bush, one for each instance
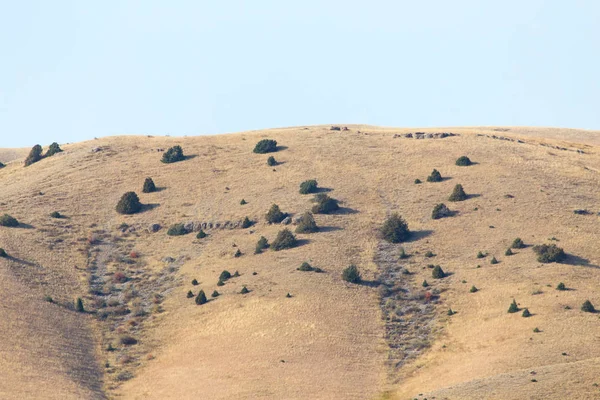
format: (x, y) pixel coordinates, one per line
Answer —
(435, 176)
(450, 312)
(265, 146)
(587, 306)
(79, 305)
(440, 211)
(220, 283)
(201, 234)
(513, 308)
(438, 272)
(129, 204)
(473, 289)
(463, 161)
(195, 282)
(518, 244)
(395, 229)
(275, 216)
(494, 261)
(201, 298)
(177, 230)
(128, 340)
(52, 150)
(244, 290)
(417, 181)
(235, 274)
(425, 283)
(458, 194)
(429, 254)
(2, 165)
(215, 294)
(403, 254)
(307, 224)
(351, 274)
(508, 252)
(35, 155)
(549, 253)
(3, 253)
(9, 221)
(480, 255)
(526, 313)
(190, 294)
(305, 267)
(561, 286)
(271, 162)
(246, 223)
(309, 186)
(238, 253)
(172, 155)
(262, 244)
(243, 202)
(285, 240)
(56, 214)
(325, 204)
(149, 186)
(225, 275)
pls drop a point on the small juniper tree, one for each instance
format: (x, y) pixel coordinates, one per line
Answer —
(561, 286)
(473, 289)
(2, 165)
(306, 267)
(351, 274)
(244, 290)
(513, 308)
(403, 254)
(243, 202)
(174, 154)
(262, 244)
(587, 306)
(215, 294)
(149, 186)
(56, 214)
(307, 224)
(271, 162)
(417, 181)
(425, 283)
(8, 221)
(52, 150)
(435, 176)
(395, 229)
(275, 216)
(440, 211)
(238, 253)
(309, 186)
(480, 255)
(526, 313)
(265, 146)
(79, 305)
(463, 161)
(494, 261)
(549, 253)
(517, 244)
(450, 312)
(285, 240)
(438, 272)
(201, 234)
(458, 194)
(246, 223)
(177, 230)
(508, 252)
(190, 294)
(225, 275)
(325, 204)
(129, 204)
(201, 298)
(3, 253)
(195, 282)
(35, 155)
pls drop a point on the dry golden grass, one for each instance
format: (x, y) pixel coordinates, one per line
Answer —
(328, 340)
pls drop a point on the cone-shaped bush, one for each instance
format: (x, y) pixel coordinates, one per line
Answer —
(2, 165)
(473, 289)
(3, 253)
(285, 240)
(518, 244)
(450, 312)
(275, 216)
(306, 267)
(52, 150)
(561, 286)
(395, 229)
(458, 194)
(463, 161)
(417, 181)
(224, 275)
(238, 253)
(508, 252)
(201, 298)
(513, 308)
(172, 155)
(246, 223)
(549, 253)
(35, 155)
(56, 214)
(440, 211)
(309, 186)
(438, 272)
(201, 234)
(587, 306)
(494, 261)
(220, 283)
(403, 254)
(351, 274)
(271, 162)
(243, 202)
(129, 204)
(435, 176)
(480, 255)
(79, 305)
(425, 284)
(177, 230)
(325, 204)
(8, 221)
(265, 146)
(262, 244)
(307, 224)
(195, 282)
(190, 294)
(526, 313)
(149, 186)
(215, 294)
(244, 290)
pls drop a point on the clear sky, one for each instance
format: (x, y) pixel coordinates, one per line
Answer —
(74, 70)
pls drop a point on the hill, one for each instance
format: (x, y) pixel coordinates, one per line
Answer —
(141, 336)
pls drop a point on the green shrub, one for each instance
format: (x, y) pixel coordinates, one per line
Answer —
(425, 283)
(438, 272)
(307, 224)
(56, 214)
(190, 294)
(177, 230)
(463, 161)
(79, 305)
(195, 282)
(201, 298)
(215, 294)
(309, 186)
(306, 267)
(2, 165)
(220, 283)
(265, 146)
(351, 274)
(35, 155)
(3, 253)
(458, 194)
(243, 202)
(518, 244)
(494, 261)
(450, 312)
(587, 306)
(262, 244)
(174, 154)
(508, 252)
(271, 162)
(149, 186)
(429, 254)
(549, 253)
(403, 254)
(128, 340)
(480, 255)
(513, 308)
(440, 211)
(201, 234)
(561, 286)
(536, 330)
(435, 176)
(325, 204)
(275, 216)
(8, 221)
(285, 240)
(52, 150)
(235, 274)
(417, 181)
(246, 223)
(238, 253)
(395, 229)
(526, 313)
(225, 275)
(244, 290)
(129, 204)
(473, 289)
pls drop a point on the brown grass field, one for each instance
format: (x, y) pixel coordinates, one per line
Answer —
(331, 339)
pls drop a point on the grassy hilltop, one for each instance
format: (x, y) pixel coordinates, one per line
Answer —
(101, 304)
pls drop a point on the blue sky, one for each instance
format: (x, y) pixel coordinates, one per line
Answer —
(74, 70)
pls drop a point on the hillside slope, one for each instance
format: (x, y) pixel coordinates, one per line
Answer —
(330, 339)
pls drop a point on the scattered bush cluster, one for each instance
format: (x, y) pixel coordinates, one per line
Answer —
(549, 253)
(35, 154)
(306, 267)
